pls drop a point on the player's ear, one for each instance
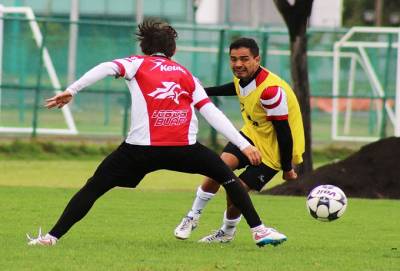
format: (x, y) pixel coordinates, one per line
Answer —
(258, 58)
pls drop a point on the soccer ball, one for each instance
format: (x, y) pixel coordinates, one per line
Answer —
(326, 202)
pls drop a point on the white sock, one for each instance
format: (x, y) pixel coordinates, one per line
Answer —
(229, 225)
(199, 202)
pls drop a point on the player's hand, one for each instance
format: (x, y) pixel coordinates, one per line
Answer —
(253, 154)
(58, 100)
(289, 175)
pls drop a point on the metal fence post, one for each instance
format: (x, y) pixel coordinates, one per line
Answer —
(220, 60)
(38, 83)
(16, 56)
(1, 54)
(106, 102)
(194, 23)
(385, 85)
(221, 47)
(264, 48)
(126, 115)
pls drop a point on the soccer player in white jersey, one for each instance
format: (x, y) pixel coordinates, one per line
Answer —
(162, 133)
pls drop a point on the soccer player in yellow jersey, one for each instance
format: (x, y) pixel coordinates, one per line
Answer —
(272, 123)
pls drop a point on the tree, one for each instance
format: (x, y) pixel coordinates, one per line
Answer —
(296, 16)
(382, 12)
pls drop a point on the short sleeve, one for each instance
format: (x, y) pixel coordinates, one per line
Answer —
(274, 101)
(128, 66)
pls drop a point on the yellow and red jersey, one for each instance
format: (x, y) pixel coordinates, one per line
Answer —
(267, 98)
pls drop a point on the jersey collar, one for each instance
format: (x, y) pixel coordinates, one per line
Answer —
(159, 55)
(244, 83)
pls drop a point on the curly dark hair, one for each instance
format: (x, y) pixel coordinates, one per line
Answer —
(157, 37)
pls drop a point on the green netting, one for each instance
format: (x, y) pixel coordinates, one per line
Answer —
(102, 108)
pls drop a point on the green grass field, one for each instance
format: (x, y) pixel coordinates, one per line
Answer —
(133, 229)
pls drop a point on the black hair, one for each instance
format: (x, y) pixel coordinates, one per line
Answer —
(157, 37)
(248, 43)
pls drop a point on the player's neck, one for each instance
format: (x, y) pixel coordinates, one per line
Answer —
(245, 81)
(158, 54)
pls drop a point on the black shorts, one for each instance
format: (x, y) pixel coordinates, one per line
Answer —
(255, 177)
(128, 164)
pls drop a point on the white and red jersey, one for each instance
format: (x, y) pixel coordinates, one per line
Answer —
(164, 95)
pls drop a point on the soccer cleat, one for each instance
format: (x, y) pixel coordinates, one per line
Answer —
(185, 228)
(264, 236)
(218, 236)
(41, 240)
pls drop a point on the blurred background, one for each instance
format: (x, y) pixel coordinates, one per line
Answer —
(47, 44)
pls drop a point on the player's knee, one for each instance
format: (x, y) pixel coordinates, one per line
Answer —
(230, 160)
(210, 186)
(98, 185)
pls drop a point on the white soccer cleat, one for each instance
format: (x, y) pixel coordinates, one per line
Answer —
(263, 236)
(218, 236)
(185, 228)
(41, 240)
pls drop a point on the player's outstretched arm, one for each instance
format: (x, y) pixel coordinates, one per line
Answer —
(92, 76)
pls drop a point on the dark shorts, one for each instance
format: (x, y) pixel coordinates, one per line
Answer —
(128, 164)
(255, 177)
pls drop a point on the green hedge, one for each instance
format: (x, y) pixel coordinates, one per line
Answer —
(36, 149)
(48, 150)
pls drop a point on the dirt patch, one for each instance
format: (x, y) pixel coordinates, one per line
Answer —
(372, 172)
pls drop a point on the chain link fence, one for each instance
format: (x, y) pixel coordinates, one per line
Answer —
(102, 109)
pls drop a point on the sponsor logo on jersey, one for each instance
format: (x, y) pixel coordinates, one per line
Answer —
(158, 63)
(169, 117)
(171, 90)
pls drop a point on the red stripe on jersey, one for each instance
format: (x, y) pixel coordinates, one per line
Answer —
(269, 93)
(261, 77)
(121, 68)
(270, 106)
(202, 103)
(282, 117)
